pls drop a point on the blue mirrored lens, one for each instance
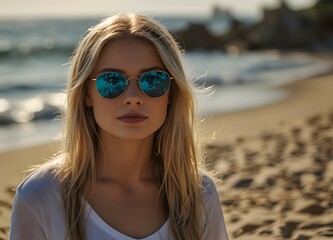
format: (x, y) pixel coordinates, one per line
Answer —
(154, 83)
(111, 85)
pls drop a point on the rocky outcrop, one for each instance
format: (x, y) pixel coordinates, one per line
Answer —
(281, 28)
(196, 36)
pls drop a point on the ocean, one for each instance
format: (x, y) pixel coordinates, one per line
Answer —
(34, 56)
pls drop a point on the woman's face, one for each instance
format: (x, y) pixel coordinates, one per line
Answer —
(133, 115)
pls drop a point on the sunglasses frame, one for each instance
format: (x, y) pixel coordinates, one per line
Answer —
(137, 82)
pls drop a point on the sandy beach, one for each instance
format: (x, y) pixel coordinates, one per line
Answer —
(275, 165)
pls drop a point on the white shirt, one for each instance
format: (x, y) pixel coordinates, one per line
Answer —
(38, 213)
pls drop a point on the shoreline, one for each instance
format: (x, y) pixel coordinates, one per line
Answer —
(255, 77)
(307, 97)
(234, 143)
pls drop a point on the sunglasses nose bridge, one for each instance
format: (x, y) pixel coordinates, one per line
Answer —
(133, 78)
(137, 79)
(133, 90)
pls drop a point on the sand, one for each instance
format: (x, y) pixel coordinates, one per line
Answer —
(275, 166)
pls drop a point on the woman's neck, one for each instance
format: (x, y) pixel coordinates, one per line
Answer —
(126, 161)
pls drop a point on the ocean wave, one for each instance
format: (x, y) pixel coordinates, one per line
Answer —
(33, 50)
(27, 87)
(46, 107)
(40, 36)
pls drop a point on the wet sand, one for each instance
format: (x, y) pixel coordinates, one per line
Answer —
(275, 166)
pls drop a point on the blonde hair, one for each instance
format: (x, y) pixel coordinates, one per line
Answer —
(176, 163)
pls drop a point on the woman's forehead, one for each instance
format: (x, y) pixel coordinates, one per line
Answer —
(129, 55)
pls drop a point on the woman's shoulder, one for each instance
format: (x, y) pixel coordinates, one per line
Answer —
(208, 188)
(42, 183)
(214, 224)
(37, 205)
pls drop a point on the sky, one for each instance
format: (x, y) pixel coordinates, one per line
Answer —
(79, 8)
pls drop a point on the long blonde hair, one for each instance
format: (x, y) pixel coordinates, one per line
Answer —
(174, 144)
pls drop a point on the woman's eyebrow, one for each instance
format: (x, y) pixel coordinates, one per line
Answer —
(112, 70)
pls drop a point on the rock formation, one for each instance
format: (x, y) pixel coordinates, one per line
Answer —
(281, 28)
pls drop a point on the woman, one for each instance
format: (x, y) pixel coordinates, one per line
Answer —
(129, 168)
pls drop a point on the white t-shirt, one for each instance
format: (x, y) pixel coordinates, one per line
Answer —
(38, 214)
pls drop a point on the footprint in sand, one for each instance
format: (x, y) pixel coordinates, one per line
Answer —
(5, 204)
(11, 190)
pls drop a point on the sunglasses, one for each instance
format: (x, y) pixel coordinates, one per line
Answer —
(153, 84)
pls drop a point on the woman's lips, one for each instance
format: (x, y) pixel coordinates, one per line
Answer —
(132, 118)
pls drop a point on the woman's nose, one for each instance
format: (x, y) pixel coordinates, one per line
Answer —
(133, 94)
